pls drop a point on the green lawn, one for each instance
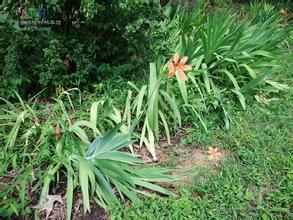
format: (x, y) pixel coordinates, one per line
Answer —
(254, 182)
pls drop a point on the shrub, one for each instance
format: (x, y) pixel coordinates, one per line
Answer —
(66, 56)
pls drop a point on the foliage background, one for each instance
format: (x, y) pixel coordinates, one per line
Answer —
(33, 60)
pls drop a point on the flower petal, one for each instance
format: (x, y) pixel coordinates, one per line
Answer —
(176, 58)
(216, 159)
(210, 151)
(171, 65)
(186, 68)
(171, 73)
(219, 154)
(181, 75)
(211, 157)
(183, 60)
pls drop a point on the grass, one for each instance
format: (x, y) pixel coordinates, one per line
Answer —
(256, 182)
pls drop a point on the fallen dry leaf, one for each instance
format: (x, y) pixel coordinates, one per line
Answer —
(48, 206)
(58, 132)
(77, 205)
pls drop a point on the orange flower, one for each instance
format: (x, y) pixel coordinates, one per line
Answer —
(178, 67)
(214, 154)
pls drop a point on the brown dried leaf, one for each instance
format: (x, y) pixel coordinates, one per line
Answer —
(48, 206)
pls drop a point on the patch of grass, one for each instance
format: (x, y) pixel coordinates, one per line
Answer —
(255, 182)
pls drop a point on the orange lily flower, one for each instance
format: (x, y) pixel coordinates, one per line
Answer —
(178, 67)
(214, 154)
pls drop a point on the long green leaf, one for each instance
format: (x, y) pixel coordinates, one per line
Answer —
(183, 90)
(139, 100)
(240, 96)
(173, 105)
(152, 110)
(167, 130)
(69, 194)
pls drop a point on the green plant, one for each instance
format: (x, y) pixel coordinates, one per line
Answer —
(53, 66)
(145, 107)
(155, 107)
(9, 66)
(61, 144)
(229, 57)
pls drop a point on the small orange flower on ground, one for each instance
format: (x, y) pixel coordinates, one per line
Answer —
(214, 154)
(178, 67)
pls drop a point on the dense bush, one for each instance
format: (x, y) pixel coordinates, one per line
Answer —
(66, 56)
